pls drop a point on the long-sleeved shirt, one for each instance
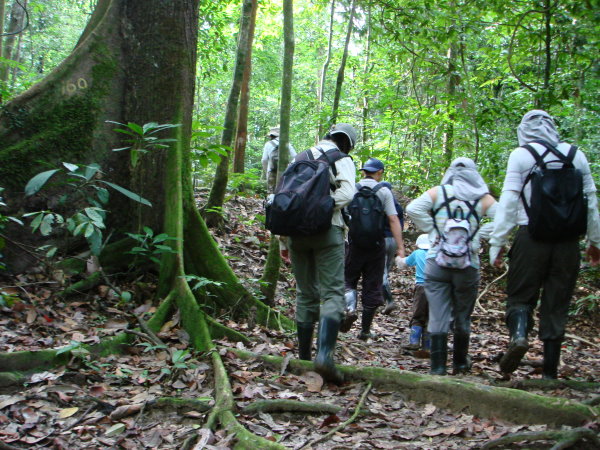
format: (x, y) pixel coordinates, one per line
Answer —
(511, 211)
(420, 209)
(267, 156)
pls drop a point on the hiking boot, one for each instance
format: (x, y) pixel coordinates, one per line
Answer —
(350, 316)
(366, 320)
(461, 362)
(426, 341)
(305, 337)
(390, 306)
(439, 353)
(518, 346)
(414, 340)
(324, 366)
(551, 359)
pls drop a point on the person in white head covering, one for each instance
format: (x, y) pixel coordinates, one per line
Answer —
(550, 267)
(270, 158)
(451, 292)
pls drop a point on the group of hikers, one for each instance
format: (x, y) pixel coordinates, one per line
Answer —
(336, 232)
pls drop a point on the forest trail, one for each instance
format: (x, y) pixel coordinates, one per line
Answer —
(112, 401)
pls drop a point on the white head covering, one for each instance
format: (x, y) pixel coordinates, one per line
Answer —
(423, 242)
(466, 181)
(535, 125)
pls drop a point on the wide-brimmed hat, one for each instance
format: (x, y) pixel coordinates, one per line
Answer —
(347, 129)
(274, 131)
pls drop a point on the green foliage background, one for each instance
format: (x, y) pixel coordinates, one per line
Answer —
(508, 57)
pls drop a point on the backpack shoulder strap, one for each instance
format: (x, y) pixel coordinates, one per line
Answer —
(376, 187)
(539, 159)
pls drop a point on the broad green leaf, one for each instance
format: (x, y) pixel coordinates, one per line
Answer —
(102, 195)
(127, 193)
(70, 167)
(95, 241)
(91, 171)
(94, 214)
(89, 230)
(136, 128)
(148, 231)
(38, 181)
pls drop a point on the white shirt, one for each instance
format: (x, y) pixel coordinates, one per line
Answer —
(267, 156)
(511, 211)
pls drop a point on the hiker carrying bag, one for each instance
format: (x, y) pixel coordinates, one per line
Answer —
(302, 204)
(274, 155)
(558, 207)
(367, 217)
(454, 250)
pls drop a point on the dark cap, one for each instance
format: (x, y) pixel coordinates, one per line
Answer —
(373, 165)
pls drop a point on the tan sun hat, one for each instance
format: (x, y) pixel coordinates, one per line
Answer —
(274, 132)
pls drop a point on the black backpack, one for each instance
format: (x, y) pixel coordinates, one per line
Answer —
(558, 206)
(367, 217)
(302, 204)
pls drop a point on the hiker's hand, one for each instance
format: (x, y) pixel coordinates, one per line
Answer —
(593, 255)
(400, 262)
(498, 259)
(285, 255)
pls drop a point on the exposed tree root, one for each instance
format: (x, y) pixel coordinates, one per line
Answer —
(563, 438)
(549, 384)
(451, 392)
(292, 406)
(345, 423)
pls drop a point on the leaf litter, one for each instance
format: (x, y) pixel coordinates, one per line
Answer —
(107, 402)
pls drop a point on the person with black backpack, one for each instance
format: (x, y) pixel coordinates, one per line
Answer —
(312, 220)
(549, 193)
(451, 214)
(369, 211)
(270, 158)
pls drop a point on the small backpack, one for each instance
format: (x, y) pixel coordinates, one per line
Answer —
(302, 204)
(558, 207)
(274, 155)
(367, 217)
(454, 250)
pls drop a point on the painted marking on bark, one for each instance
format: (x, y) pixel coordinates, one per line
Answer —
(71, 87)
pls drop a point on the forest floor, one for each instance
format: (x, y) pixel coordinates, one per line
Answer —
(111, 402)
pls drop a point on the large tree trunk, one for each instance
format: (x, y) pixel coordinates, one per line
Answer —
(241, 139)
(219, 187)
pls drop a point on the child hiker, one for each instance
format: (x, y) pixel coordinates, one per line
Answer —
(418, 321)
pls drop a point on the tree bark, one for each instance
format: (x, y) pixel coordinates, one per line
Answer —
(241, 139)
(16, 22)
(340, 76)
(217, 193)
(321, 93)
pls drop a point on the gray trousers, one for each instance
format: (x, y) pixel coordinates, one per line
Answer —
(318, 265)
(550, 267)
(390, 252)
(451, 294)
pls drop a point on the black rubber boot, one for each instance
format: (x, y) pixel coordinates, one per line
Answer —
(551, 359)
(305, 338)
(439, 353)
(390, 306)
(350, 315)
(518, 346)
(366, 320)
(461, 362)
(324, 366)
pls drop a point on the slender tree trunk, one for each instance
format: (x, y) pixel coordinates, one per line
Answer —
(219, 187)
(547, 90)
(448, 139)
(365, 111)
(321, 93)
(242, 121)
(341, 71)
(2, 14)
(15, 23)
(271, 270)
